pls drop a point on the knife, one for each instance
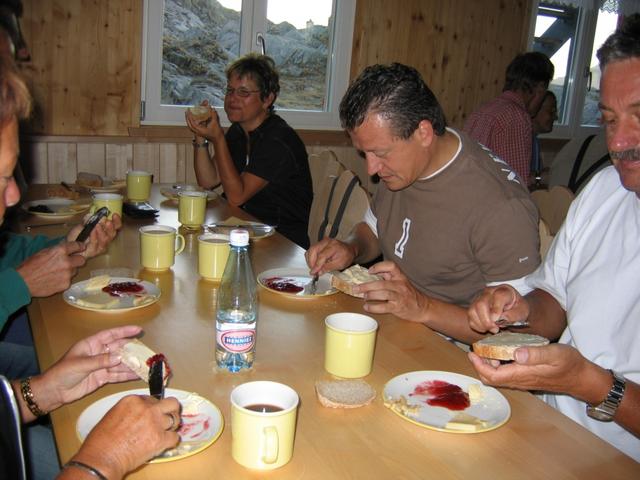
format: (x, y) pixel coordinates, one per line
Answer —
(156, 379)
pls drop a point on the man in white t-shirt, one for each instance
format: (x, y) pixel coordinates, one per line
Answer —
(586, 293)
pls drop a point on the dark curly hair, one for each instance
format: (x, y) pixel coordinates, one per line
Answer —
(622, 44)
(262, 70)
(398, 93)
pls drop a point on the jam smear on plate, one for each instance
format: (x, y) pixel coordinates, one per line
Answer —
(122, 289)
(282, 285)
(443, 394)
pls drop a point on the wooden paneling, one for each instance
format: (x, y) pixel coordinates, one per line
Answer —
(461, 47)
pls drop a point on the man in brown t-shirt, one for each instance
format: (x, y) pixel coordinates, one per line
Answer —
(448, 217)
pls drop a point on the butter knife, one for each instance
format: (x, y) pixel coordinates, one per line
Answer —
(156, 379)
(314, 285)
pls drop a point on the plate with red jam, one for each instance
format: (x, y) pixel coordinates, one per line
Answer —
(200, 426)
(119, 295)
(295, 282)
(446, 401)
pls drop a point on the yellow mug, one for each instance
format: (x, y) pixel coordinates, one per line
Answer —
(350, 340)
(213, 251)
(138, 185)
(192, 206)
(159, 244)
(113, 201)
(263, 424)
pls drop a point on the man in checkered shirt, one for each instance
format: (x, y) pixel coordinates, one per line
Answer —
(504, 123)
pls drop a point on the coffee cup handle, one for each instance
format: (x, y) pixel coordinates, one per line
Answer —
(181, 243)
(270, 446)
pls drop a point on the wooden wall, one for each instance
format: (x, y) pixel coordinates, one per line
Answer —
(85, 75)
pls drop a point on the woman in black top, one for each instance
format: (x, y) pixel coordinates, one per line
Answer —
(260, 161)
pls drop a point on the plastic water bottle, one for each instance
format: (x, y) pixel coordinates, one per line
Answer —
(237, 310)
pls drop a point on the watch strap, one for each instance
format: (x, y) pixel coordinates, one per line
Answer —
(606, 410)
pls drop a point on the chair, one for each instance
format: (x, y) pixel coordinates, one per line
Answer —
(545, 238)
(553, 205)
(323, 165)
(337, 208)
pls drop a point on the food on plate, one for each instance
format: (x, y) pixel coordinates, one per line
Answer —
(97, 283)
(98, 300)
(58, 191)
(344, 393)
(40, 208)
(86, 179)
(282, 284)
(138, 357)
(476, 393)
(401, 406)
(439, 393)
(100, 293)
(463, 422)
(503, 345)
(354, 275)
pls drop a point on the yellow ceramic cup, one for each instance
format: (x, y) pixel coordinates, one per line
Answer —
(113, 201)
(263, 438)
(138, 185)
(159, 244)
(213, 251)
(350, 340)
(192, 206)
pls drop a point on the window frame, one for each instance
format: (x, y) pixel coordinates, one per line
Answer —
(154, 113)
(578, 79)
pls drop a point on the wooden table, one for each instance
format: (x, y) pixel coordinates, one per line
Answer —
(369, 442)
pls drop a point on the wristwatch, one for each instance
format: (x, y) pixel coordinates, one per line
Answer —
(605, 411)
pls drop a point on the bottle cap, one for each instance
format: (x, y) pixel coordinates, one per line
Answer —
(239, 238)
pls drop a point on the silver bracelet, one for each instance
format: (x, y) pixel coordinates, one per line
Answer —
(200, 145)
(87, 468)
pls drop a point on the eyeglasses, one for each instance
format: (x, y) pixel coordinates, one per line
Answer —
(241, 92)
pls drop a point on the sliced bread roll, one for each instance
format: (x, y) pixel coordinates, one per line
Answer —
(87, 179)
(138, 357)
(344, 393)
(503, 345)
(354, 275)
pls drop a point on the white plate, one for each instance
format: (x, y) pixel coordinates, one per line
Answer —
(172, 192)
(125, 303)
(62, 207)
(492, 410)
(256, 230)
(114, 187)
(193, 438)
(299, 277)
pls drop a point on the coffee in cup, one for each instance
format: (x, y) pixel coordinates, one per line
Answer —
(263, 424)
(158, 246)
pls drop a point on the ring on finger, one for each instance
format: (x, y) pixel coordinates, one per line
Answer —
(174, 425)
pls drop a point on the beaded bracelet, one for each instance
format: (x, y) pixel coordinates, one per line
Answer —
(200, 145)
(27, 395)
(87, 468)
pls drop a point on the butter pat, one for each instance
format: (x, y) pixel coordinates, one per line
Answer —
(463, 422)
(99, 300)
(476, 393)
(97, 283)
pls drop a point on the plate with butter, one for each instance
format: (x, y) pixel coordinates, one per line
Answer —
(111, 294)
(446, 401)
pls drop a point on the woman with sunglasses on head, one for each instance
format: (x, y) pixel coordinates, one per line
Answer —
(261, 162)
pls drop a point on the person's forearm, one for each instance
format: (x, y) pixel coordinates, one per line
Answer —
(229, 176)
(546, 316)
(204, 166)
(42, 395)
(448, 319)
(364, 243)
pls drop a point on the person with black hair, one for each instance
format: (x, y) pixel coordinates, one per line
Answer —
(504, 124)
(448, 217)
(261, 161)
(586, 292)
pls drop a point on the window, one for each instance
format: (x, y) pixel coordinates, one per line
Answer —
(570, 32)
(188, 44)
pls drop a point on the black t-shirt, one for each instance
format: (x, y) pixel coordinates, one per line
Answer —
(277, 155)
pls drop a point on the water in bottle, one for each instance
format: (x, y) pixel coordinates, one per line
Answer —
(236, 314)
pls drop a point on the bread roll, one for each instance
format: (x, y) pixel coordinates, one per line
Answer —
(89, 179)
(344, 393)
(354, 275)
(503, 345)
(200, 112)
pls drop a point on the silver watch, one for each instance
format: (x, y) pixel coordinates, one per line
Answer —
(605, 411)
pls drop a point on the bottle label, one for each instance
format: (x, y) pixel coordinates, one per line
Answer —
(236, 338)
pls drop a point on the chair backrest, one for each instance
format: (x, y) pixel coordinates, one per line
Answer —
(323, 165)
(545, 238)
(338, 207)
(553, 205)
